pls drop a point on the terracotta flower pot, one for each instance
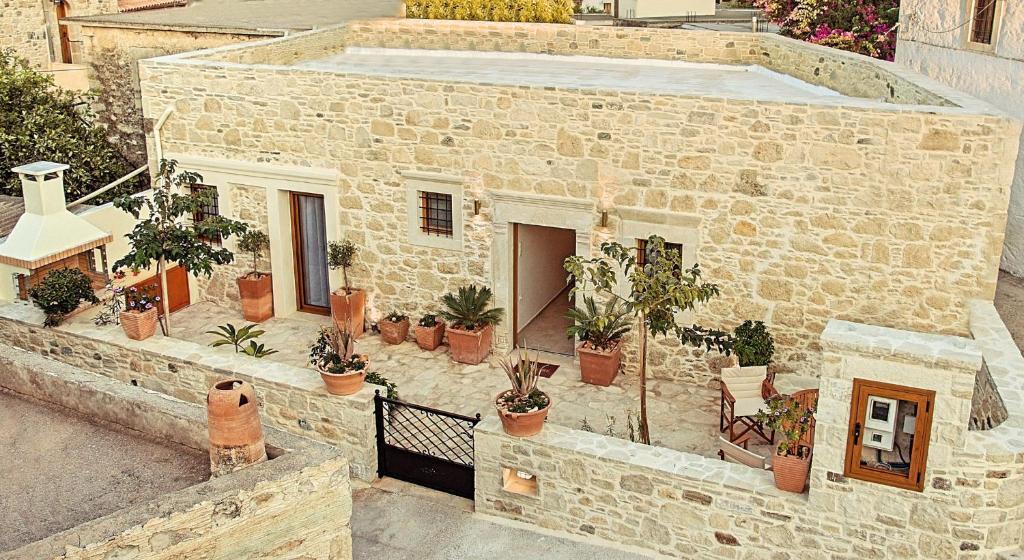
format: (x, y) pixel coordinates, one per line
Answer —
(599, 367)
(791, 472)
(257, 295)
(139, 325)
(524, 424)
(470, 347)
(349, 307)
(429, 338)
(345, 383)
(233, 421)
(394, 333)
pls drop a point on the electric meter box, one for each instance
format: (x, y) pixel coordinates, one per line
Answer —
(880, 423)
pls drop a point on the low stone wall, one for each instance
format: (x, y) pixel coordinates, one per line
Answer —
(297, 505)
(291, 398)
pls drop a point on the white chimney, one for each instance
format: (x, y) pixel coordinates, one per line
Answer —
(47, 232)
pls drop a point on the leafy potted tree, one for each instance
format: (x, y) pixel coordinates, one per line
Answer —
(754, 346)
(790, 422)
(60, 293)
(600, 330)
(140, 313)
(524, 407)
(657, 290)
(255, 288)
(471, 323)
(164, 236)
(333, 356)
(348, 304)
(429, 332)
(394, 328)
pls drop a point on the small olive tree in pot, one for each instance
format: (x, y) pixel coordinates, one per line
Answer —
(655, 292)
(255, 288)
(348, 304)
(165, 234)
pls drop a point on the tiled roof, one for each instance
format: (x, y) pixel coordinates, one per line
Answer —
(11, 208)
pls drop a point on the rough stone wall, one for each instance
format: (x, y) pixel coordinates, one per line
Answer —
(249, 205)
(23, 27)
(694, 507)
(884, 214)
(987, 408)
(112, 54)
(292, 399)
(994, 76)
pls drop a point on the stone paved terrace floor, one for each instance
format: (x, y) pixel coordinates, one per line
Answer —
(683, 417)
(60, 469)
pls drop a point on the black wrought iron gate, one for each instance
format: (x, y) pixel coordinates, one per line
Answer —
(425, 446)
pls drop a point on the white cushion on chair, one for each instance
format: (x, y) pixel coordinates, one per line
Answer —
(748, 406)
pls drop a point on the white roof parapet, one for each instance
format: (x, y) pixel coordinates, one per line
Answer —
(884, 342)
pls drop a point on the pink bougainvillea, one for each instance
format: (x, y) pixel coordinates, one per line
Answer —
(860, 26)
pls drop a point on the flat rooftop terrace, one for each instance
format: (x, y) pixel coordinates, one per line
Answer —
(575, 72)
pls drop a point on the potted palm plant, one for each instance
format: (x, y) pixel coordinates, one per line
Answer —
(429, 332)
(790, 422)
(348, 304)
(394, 328)
(140, 313)
(471, 323)
(333, 355)
(524, 407)
(600, 330)
(255, 288)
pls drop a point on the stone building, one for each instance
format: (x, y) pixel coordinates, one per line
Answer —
(976, 46)
(809, 183)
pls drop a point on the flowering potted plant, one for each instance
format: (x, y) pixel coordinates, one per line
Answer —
(524, 407)
(394, 328)
(342, 370)
(348, 304)
(790, 421)
(600, 332)
(429, 332)
(255, 288)
(471, 323)
(140, 314)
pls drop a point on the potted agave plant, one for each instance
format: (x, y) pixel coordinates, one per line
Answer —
(524, 407)
(348, 304)
(600, 331)
(790, 421)
(471, 323)
(333, 355)
(394, 328)
(255, 288)
(429, 332)
(140, 314)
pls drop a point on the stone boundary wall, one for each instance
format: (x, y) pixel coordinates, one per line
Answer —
(690, 506)
(23, 28)
(292, 399)
(987, 407)
(297, 504)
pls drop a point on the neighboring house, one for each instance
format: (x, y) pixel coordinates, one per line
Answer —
(809, 182)
(976, 46)
(111, 44)
(641, 9)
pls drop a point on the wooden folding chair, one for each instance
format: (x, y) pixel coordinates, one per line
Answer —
(729, 451)
(744, 392)
(808, 399)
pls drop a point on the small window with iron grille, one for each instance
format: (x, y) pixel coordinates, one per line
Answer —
(210, 209)
(983, 21)
(436, 216)
(672, 250)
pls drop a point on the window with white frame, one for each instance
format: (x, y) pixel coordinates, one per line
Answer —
(434, 210)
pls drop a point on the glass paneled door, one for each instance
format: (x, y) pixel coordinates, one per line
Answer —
(309, 235)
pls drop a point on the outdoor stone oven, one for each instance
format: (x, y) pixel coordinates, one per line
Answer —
(48, 236)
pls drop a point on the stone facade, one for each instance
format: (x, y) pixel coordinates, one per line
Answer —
(933, 41)
(292, 399)
(873, 211)
(694, 507)
(23, 28)
(297, 506)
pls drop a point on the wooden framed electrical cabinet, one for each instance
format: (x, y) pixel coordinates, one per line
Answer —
(890, 426)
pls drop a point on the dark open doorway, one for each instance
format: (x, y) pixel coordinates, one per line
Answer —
(541, 295)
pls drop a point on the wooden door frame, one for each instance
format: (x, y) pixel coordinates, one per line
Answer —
(299, 257)
(515, 285)
(63, 37)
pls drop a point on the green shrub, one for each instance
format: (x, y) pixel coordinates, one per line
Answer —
(61, 292)
(753, 345)
(534, 11)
